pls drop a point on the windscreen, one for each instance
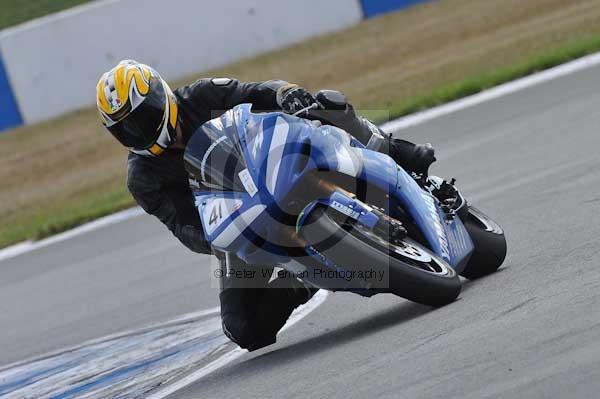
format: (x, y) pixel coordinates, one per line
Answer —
(213, 157)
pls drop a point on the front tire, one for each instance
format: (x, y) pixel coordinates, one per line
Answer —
(414, 272)
(490, 245)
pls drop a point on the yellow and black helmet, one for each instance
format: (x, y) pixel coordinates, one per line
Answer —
(138, 107)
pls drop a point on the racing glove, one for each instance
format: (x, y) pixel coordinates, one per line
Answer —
(293, 98)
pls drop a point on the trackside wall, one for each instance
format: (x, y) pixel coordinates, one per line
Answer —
(50, 66)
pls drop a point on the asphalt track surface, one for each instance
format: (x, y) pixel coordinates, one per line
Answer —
(530, 159)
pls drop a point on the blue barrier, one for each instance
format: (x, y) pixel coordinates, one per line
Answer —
(376, 7)
(9, 110)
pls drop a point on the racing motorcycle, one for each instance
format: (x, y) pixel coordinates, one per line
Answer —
(307, 196)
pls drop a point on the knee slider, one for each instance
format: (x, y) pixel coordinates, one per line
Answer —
(245, 334)
(237, 331)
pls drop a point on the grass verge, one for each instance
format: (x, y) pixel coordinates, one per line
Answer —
(476, 84)
(17, 11)
(64, 172)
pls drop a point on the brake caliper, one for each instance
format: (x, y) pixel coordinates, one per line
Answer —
(389, 227)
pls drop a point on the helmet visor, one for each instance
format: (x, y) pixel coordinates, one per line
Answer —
(141, 128)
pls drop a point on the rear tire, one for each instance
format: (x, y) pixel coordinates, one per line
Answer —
(490, 245)
(420, 276)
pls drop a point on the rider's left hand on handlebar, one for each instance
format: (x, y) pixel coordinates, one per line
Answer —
(296, 99)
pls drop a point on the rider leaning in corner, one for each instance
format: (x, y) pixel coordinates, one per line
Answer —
(139, 109)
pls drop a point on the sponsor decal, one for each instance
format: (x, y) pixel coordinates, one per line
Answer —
(346, 210)
(115, 104)
(439, 229)
(248, 182)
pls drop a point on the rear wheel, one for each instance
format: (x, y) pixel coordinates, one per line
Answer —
(490, 245)
(414, 272)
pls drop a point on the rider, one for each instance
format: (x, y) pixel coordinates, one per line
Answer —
(140, 110)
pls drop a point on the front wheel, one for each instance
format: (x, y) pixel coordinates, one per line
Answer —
(414, 272)
(490, 245)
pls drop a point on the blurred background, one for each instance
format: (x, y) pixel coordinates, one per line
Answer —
(58, 166)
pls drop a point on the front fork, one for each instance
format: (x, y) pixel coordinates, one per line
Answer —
(348, 206)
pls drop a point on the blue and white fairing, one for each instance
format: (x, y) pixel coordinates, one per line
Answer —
(265, 156)
(447, 237)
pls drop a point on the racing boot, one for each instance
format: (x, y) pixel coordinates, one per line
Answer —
(416, 158)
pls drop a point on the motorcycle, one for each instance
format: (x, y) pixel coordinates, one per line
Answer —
(307, 196)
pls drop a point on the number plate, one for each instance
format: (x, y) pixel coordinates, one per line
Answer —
(216, 211)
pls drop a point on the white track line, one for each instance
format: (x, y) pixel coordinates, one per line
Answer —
(28, 246)
(120, 334)
(228, 357)
(493, 93)
(391, 126)
(172, 385)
